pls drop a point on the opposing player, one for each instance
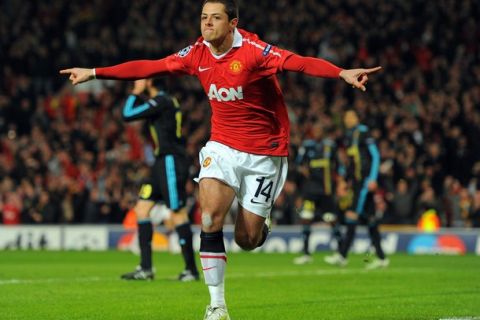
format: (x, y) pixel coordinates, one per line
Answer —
(168, 176)
(318, 163)
(246, 154)
(362, 174)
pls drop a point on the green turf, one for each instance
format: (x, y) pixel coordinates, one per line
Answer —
(86, 285)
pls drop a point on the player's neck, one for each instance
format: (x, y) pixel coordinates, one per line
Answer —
(222, 45)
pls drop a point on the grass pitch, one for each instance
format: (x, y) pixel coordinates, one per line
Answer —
(86, 285)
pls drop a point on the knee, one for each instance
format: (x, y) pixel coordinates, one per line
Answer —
(246, 241)
(211, 222)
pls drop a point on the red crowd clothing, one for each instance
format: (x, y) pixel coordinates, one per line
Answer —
(248, 109)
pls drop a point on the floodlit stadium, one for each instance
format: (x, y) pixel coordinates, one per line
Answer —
(147, 146)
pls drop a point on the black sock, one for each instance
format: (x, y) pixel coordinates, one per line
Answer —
(348, 240)
(185, 240)
(375, 237)
(307, 230)
(214, 259)
(145, 234)
(212, 242)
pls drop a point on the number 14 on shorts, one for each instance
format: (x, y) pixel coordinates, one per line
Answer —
(264, 190)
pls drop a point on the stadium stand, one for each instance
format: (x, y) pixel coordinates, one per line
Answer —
(67, 157)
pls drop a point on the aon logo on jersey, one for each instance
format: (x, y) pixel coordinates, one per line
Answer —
(225, 94)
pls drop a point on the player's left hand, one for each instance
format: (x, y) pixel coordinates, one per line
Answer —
(358, 77)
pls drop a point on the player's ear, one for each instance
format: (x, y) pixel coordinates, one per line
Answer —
(233, 24)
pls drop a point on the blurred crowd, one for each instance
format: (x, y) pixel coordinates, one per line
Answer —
(66, 156)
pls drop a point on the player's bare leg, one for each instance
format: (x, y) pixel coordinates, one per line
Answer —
(215, 201)
(145, 233)
(250, 229)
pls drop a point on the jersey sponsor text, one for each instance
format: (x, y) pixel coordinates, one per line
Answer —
(225, 94)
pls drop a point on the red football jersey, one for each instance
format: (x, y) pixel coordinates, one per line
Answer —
(248, 109)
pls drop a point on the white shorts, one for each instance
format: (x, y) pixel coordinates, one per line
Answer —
(256, 179)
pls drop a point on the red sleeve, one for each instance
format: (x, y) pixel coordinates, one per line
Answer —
(141, 69)
(312, 66)
(137, 69)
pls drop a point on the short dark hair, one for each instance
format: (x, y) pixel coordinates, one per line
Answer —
(231, 7)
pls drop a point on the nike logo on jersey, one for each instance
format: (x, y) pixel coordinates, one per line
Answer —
(209, 268)
(256, 202)
(200, 69)
(225, 94)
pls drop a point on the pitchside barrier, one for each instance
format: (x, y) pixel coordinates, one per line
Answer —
(282, 239)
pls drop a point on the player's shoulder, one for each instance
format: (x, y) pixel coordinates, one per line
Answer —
(192, 48)
(248, 35)
(253, 41)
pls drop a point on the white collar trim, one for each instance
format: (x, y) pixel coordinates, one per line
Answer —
(237, 42)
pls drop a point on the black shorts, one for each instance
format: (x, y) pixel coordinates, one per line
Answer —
(319, 204)
(322, 203)
(168, 177)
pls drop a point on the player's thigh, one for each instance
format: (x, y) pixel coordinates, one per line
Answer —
(262, 180)
(215, 199)
(142, 209)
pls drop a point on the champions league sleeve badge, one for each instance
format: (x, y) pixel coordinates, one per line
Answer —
(182, 53)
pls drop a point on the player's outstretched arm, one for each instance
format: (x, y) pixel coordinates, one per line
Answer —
(79, 75)
(321, 68)
(132, 70)
(357, 77)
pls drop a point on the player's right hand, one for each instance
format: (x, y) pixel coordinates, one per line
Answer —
(78, 75)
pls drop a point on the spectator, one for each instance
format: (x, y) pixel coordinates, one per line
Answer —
(402, 202)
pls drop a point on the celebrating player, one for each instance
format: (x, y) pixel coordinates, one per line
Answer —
(247, 152)
(168, 174)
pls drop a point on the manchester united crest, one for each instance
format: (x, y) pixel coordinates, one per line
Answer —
(207, 162)
(236, 66)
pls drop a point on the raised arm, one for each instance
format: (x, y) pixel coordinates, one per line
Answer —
(321, 68)
(136, 108)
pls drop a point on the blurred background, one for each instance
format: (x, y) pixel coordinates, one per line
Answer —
(66, 156)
